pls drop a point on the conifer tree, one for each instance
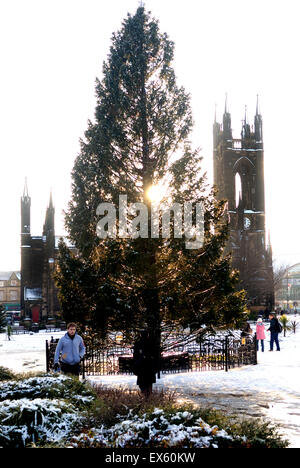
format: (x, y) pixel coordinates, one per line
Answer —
(140, 136)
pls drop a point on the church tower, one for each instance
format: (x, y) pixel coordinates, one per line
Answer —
(239, 178)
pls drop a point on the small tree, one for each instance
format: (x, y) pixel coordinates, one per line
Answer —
(294, 325)
(286, 325)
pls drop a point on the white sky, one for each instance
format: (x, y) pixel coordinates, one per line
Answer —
(52, 51)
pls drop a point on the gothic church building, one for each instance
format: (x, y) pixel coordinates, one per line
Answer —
(239, 178)
(38, 256)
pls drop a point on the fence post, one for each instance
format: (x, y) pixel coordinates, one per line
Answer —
(83, 367)
(47, 357)
(255, 349)
(226, 354)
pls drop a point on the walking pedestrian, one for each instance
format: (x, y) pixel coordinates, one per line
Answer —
(274, 329)
(260, 334)
(9, 332)
(69, 351)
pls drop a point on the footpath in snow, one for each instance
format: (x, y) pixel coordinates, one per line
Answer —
(269, 389)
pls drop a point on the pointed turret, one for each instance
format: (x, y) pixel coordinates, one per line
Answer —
(49, 230)
(246, 130)
(25, 191)
(269, 246)
(216, 130)
(51, 206)
(49, 219)
(25, 211)
(258, 125)
(227, 131)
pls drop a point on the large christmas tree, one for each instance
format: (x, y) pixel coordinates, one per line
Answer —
(140, 140)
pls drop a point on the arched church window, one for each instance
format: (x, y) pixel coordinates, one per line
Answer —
(238, 188)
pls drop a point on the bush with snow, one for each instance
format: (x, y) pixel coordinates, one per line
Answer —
(60, 411)
(41, 409)
(28, 421)
(62, 387)
(158, 429)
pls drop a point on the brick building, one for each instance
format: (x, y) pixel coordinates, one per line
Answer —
(10, 290)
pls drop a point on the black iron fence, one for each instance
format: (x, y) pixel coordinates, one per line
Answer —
(50, 352)
(211, 353)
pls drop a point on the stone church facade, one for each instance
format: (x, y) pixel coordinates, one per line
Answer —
(239, 178)
(38, 257)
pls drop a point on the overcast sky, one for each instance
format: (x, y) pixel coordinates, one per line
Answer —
(52, 51)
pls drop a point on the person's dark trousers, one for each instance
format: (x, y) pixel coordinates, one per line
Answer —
(70, 369)
(262, 345)
(274, 339)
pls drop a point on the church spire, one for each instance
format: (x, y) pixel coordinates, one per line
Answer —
(51, 200)
(49, 218)
(25, 214)
(25, 191)
(246, 131)
(257, 105)
(258, 125)
(227, 132)
(269, 246)
(226, 103)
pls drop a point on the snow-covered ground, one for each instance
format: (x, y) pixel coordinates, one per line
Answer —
(269, 389)
(25, 352)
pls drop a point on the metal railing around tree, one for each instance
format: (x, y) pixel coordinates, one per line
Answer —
(217, 352)
(211, 353)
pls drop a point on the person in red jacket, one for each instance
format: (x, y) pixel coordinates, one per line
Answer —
(260, 334)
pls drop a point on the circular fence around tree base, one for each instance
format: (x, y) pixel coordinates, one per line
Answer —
(212, 353)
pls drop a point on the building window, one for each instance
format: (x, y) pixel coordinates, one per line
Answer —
(13, 283)
(1, 296)
(1, 284)
(13, 295)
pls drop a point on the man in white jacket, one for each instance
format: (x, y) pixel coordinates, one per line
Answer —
(69, 351)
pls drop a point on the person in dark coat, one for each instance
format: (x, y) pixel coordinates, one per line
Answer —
(246, 330)
(274, 330)
(144, 363)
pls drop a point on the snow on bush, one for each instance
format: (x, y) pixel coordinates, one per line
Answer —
(41, 409)
(47, 387)
(40, 420)
(158, 429)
